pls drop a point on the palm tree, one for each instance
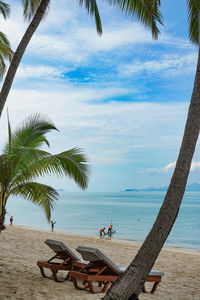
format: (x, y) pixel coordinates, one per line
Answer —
(146, 11)
(23, 161)
(130, 283)
(5, 50)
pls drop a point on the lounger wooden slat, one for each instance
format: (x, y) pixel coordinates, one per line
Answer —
(65, 257)
(102, 270)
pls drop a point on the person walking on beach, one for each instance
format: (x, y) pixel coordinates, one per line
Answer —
(102, 231)
(11, 221)
(110, 230)
(52, 225)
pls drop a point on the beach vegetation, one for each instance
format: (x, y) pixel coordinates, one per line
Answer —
(24, 160)
(6, 52)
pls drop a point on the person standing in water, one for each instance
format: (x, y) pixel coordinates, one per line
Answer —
(102, 231)
(52, 225)
(11, 221)
(110, 230)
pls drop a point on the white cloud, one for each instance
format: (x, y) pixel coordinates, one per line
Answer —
(39, 72)
(167, 65)
(109, 132)
(170, 167)
(69, 35)
(194, 165)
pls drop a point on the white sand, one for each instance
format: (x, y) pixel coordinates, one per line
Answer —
(21, 248)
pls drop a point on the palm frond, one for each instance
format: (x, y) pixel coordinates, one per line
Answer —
(4, 9)
(6, 53)
(35, 163)
(92, 8)
(71, 163)
(31, 133)
(5, 48)
(146, 11)
(39, 194)
(30, 8)
(193, 19)
(24, 160)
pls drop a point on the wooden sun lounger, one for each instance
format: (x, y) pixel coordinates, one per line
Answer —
(64, 259)
(102, 270)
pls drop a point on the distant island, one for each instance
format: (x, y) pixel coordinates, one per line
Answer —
(193, 187)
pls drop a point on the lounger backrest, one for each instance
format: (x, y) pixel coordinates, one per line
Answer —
(156, 273)
(61, 249)
(94, 254)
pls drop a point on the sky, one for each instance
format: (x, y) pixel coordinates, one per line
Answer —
(122, 97)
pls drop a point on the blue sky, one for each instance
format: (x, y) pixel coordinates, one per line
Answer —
(122, 97)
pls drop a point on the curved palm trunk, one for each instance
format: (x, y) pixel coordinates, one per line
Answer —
(133, 278)
(20, 51)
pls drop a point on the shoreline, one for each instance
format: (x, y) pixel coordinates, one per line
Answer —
(134, 242)
(20, 278)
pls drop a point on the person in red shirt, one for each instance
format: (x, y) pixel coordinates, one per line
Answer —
(102, 231)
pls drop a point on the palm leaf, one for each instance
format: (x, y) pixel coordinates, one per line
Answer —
(147, 12)
(92, 9)
(5, 53)
(4, 9)
(193, 18)
(31, 133)
(71, 163)
(30, 8)
(39, 194)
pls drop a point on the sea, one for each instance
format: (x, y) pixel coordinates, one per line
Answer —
(132, 215)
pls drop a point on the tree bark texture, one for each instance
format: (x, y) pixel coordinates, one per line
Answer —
(19, 53)
(132, 279)
(2, 220)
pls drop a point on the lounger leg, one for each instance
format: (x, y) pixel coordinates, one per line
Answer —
(91, 287)
(73, 279)
(154, 288)
(106, 285)
(42, 272)
(67, 277)
(144, 289)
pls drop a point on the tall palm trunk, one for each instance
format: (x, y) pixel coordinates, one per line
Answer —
(19, 53)
(2, 219)
(132, 280)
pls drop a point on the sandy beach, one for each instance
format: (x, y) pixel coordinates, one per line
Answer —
(21, 248)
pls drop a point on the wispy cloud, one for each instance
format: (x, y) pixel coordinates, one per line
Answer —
(167, 65)
(40, 72)
(195, 165)
(170, 167)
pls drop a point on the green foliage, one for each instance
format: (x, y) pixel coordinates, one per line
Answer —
(23, 161)
(5, 49)
(4, 9)
(193, 19)
(92, 9)
(5, 53)
(146, 11)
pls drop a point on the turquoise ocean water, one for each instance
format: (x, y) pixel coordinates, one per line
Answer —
(131, 213)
